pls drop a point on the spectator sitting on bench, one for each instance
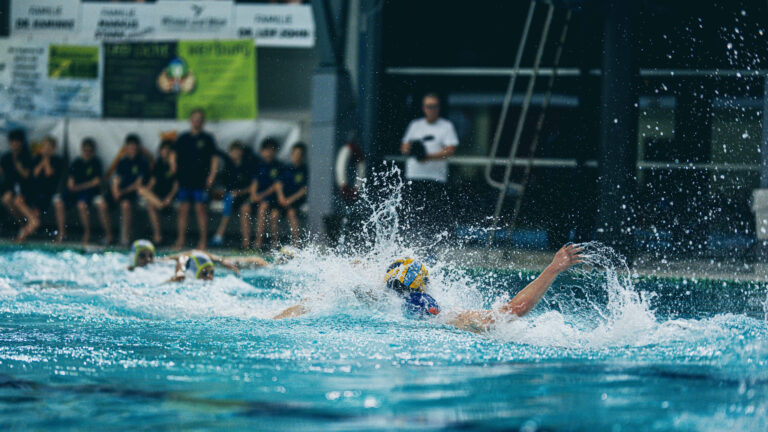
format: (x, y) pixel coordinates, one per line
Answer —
(84, 188)
(292, 189)
(263, 191)
(132, 170)
(16, 169)
(46, 177)
(238, 176)
(160, 190)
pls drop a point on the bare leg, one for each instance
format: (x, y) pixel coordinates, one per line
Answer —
(150, 197)
(126, 210)
(245, 226)
(85, 220)
(32, 217)
(9, 203)
(101, 205)
(61, 219)
(181, 240)
(261, 221)
(202, 224)
(293, 219)
(154, 220)
(222, 226)
(274, 227)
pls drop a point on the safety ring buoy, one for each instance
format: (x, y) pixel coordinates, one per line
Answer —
(350, 153)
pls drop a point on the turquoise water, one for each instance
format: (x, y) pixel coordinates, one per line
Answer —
(86, 344)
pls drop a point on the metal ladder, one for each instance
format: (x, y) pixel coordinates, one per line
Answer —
(507, 184)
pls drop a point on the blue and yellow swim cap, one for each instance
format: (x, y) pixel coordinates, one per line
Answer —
(196, 263)
(407, 274)
(138, 247)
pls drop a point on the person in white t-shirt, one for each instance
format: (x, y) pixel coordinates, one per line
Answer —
(428, 142)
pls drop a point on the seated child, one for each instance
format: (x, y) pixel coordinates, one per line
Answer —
(291, 189)
(132, 170)
(161, 189)
(263, 190)
(238, 176)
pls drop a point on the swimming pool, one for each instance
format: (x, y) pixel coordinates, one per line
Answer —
(85, 344)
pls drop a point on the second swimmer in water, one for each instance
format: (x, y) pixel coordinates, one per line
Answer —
(193, 264)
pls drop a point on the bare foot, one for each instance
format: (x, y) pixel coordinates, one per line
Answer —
(157, 239)
(201, 246)
(179, 245)
(28, 230)
(59, 238)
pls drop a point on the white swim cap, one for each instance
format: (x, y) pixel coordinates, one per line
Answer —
(138, 247)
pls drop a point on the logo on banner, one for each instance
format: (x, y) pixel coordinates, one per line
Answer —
(176, 78)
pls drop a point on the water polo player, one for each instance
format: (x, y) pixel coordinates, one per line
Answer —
(142, 254)
(198, 265)
(410, 279)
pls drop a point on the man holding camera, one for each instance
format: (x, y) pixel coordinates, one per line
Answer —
(428, 143)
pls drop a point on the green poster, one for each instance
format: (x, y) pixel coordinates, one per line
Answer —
(134, 84)
(220, 78)
(73, 61)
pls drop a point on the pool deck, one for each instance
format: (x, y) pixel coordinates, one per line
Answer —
(520, 259)
(514, 259)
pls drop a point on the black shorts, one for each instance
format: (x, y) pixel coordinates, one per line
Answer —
(233, 204)
(271, 201)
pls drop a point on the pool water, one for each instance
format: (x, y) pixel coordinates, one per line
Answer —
(84, 344)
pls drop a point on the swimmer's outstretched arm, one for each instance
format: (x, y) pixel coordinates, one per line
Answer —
(223, 262)
(526, 299)
(292, 312)
(215, 258)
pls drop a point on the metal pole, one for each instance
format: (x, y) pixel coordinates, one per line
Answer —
(521, 123)
(764, 142)
(540, 123)
(508, 96)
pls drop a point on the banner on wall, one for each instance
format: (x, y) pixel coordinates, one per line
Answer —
(45, 18)
(270, 25)
(118, 21)
(41, 79)
(211, 19)
(170, 79)
(276, 25)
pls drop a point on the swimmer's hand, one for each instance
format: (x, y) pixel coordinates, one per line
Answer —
(477, 320)
(568, 256)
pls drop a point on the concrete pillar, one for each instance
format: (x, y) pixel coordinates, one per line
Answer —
(333, 111)
(618, 140)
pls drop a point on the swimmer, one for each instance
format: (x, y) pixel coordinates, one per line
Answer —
(142, 254)
(197, 264)
(409, 279)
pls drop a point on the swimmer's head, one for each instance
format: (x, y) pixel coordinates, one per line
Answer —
(407, 275)
(142, 253)
(199, 266)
